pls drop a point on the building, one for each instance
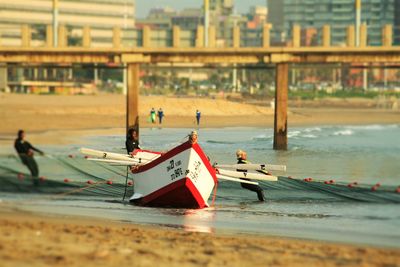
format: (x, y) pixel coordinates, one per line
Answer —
(339, 14)
(158, 18)
(188, 19)
(100, 15)
(276, 17)
(397, 22)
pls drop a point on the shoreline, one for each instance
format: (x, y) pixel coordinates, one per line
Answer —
(39, 239)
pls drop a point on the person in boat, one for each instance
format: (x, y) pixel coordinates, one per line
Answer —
(242, 159)
(25, 153)
(132, 141)
(193, 137)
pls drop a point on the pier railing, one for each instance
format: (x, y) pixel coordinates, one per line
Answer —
(175, 37)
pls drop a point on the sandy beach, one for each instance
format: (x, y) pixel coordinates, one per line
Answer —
(28, 239)
(42, 240)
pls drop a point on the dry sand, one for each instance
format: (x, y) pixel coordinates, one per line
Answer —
(38, 240)
(42, 113)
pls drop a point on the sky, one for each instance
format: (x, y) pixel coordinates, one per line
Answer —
(143, 6)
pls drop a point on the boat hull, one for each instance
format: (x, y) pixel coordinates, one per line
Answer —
(180, 178)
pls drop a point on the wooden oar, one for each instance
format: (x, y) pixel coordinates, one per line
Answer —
(254, 167)
(248, 175)
(109, 155)
(231, 179)
(118, 162)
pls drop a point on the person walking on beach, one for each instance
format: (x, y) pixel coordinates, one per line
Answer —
(153, 115)
(25, 153)
(160, 115)
(198, 115)
(242, 159)
(132, 141)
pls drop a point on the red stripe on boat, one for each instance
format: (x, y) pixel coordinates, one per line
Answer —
(181, 194)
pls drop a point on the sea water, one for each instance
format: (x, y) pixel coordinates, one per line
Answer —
(366, 154)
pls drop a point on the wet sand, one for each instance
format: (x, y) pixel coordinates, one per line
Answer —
(42, 240)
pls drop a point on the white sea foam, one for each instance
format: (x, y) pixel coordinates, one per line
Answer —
(313, 129)
(344, 132)
(374, 127)
(309, 136)
(293, 133)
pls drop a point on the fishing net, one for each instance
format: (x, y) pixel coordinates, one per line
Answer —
(70, 175)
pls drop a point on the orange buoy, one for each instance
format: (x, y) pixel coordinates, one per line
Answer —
(71, 156)
(378, 185)
(350, 185)
(66, 180)
(398, 190)
(42, 178)
(374, 188)
(21, 176)
(331, 181)
(109, 182)
(130, 183)
(326, 182)
(90, 182)
(86, 157)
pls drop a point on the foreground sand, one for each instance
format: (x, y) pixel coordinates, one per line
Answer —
(38, 240)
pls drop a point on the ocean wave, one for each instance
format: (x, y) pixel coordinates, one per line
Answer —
(292, 134)
(313, 129)
(373, 127)
(309, 136)
(344, 132)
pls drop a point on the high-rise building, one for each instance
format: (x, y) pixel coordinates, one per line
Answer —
(221, 7)
(339, 14)
(397, 22)
(276, 17)
(100, 15)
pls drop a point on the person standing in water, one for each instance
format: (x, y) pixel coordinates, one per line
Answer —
(198, 115)
(153, 115)
(132, 141)
(242, 159)
(193, 137)
(160, 115)
(25, 153)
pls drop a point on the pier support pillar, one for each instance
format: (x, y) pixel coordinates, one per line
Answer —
(132, 97)
(3, 77)
(281, 103)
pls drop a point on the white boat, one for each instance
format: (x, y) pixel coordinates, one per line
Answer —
(183, 177)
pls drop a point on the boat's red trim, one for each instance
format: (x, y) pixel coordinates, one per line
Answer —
(164, 157)
(182, 193)
(206, 162)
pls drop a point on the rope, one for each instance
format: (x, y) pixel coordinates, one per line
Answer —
(214, 194)
(126, 182)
